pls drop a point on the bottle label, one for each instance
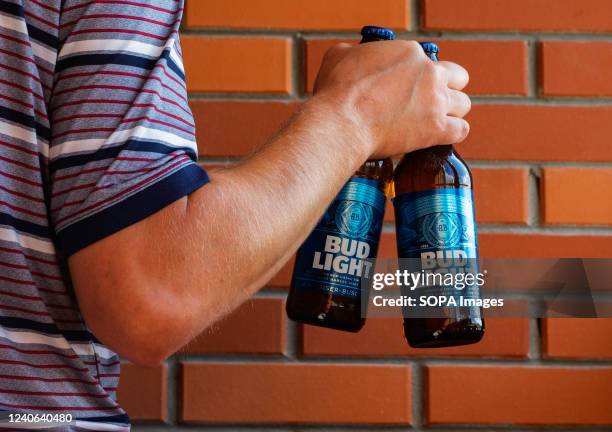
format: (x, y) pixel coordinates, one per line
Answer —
(335, 256)
(436, 229)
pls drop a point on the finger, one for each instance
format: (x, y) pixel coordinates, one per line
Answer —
(459, 104)
(458, 77)
(456, 130)
(335, 54)
(331, 58)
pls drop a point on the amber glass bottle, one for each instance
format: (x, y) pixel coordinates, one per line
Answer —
(434, 216)
(330, 265)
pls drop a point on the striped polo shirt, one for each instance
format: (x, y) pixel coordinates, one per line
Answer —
(95, 135)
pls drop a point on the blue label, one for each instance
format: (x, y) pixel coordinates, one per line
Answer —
(335, 256)
(437, 228)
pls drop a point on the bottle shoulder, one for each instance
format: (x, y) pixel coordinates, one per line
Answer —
(380, 169)
(432, 168)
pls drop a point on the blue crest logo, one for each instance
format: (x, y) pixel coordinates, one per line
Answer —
(442, 229)
(353, 219)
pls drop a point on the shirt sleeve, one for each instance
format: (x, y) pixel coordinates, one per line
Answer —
(122, 134)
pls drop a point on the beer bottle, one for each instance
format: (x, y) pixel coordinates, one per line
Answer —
(435, 227)
(326, 282)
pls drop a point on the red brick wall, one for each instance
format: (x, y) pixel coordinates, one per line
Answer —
(541, 154)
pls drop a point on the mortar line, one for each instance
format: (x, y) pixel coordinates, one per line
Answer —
(533, 68)
(536, 346)
(415, 16)
(401, 361)
(418, 395)
(536, 166)
(534, 197)
(416, 32)
(172, 392)
(292, 340)
(296, 66)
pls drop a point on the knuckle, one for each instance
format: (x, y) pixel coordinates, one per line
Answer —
(430, 68)
(341, 46)
(440, 99)
(407, 45)
(439, 72)
(437, 122)
(462, 101)
(441, 124)
(415, 47)
(335, 50)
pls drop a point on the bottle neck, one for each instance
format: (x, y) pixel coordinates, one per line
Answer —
(366, 39)
(442, 150)
(371, 38)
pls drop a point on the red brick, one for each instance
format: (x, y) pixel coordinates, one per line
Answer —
(577, 196)
(539, 132)
(236, 128)
(295, 14)
(500, 195)
(577, 338)
(295, 393)
(389, 211)
(526, 15)
(576, 68)
(238, 64)
(283, 277)
(504, 337)
(494, 245)
(495, 67)
(518, 395)
(387, 248)
(142, 392)
(256, 327)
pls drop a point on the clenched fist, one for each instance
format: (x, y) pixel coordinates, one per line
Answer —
(399, 98)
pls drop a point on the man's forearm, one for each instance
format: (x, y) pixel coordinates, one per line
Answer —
(202, 256)
(260, 211)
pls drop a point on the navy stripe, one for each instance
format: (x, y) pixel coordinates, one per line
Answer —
(127, 212)
(166, 55)
(42, 36)
(46, 328)
(11, 8)
(25, 120)
(25, 226)
(104, 59)
(113, 152)
(35, 33)
(120, 59)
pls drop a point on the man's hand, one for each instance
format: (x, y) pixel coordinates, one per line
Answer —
(402, 98)
(148, 289)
